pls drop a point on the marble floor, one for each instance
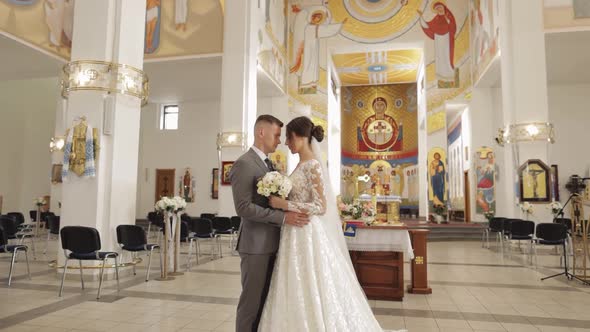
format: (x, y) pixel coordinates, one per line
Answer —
(474, 289)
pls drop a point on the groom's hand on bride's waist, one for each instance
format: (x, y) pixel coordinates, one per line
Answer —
(296, 219)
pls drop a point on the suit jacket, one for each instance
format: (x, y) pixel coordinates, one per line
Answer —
(260, 230)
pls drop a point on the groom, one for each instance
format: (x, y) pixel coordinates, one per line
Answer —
(259, 234)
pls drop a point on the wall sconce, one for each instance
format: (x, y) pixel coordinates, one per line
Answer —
(526, 132)
(231, 139)
(56, 143)
(104, 76)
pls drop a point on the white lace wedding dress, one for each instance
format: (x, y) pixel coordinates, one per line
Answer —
(313, 286)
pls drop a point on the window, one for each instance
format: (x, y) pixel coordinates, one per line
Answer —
(169, 117)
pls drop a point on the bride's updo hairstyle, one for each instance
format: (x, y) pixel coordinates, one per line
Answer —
(303, 127)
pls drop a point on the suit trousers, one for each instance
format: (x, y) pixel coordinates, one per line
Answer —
(256, 274)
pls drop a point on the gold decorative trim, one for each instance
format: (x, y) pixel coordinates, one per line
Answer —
(526, 132)
(95, 75)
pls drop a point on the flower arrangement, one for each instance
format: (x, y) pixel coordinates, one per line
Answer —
(489, 215)
(39, 201)
(439, 209)
(361, 210)
(555, 208)
(526, 207)
(274, 183)
(174, 204)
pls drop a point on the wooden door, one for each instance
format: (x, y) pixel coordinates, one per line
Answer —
(164, 183)
(467, 195)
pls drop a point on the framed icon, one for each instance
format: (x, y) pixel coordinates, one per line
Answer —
(225, 169)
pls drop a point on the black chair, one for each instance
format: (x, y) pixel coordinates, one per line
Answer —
(83, 243)
(53, 222)
(235, 223)
(506, 226)
(185, 217)
(157, 220)
(12, 232)
(133, 238)
(521, 230)
(495, 226)
(209, 216)
(202, 230)
(222, 226)
(33, 216)
(551, 234)
(45, 216)
(20, 221)
(14, 249)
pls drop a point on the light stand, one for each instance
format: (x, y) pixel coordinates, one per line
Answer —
(565, 269)
(575, 198)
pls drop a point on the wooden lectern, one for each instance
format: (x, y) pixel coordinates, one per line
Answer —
(419, 270)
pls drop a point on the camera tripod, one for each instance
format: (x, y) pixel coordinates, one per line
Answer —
(577, 226)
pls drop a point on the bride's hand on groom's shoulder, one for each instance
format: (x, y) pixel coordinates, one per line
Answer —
(278, 203)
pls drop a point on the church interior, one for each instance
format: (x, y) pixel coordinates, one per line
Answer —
(450, 129)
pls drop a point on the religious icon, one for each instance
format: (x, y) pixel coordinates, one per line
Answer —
(534, 178)
(225, 169)
(442, 29)
(485, 173)
(311, 24)
(279, 161)
(186, 188)
(78, 158)
(56, 173)
(380, 132)
(438, 176)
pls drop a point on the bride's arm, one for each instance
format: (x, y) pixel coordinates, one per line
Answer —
(317, 206)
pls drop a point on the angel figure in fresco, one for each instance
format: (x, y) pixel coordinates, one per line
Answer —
(180, 14)
(442, 29)
(152, 22)
(59, 17)
(311, 24)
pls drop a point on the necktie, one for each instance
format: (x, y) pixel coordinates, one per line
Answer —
(269, 164)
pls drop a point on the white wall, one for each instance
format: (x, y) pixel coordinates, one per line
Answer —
(27, 110)
(192, 145)
(569, 113)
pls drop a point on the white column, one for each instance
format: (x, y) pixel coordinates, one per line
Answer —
(524, 90)
(113, 31)
(238, 84)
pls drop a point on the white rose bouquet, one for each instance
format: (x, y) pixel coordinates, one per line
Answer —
(39, 201)
(526, 207)
(175, 204)
(274, 183)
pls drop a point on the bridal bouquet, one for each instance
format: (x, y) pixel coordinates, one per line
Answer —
(274, 183)
(175, 204)
(40, 201)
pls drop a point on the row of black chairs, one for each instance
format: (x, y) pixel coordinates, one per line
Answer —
(83, 244)
(511, 229)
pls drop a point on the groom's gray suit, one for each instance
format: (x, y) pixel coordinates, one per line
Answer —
(258, 239)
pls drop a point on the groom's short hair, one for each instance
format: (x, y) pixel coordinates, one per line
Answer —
(267, 118)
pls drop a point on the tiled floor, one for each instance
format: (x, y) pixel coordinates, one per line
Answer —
(474, 289)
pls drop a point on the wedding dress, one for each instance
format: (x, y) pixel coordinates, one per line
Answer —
(314, 286)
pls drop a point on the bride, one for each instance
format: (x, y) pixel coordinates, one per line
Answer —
(313, 285)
